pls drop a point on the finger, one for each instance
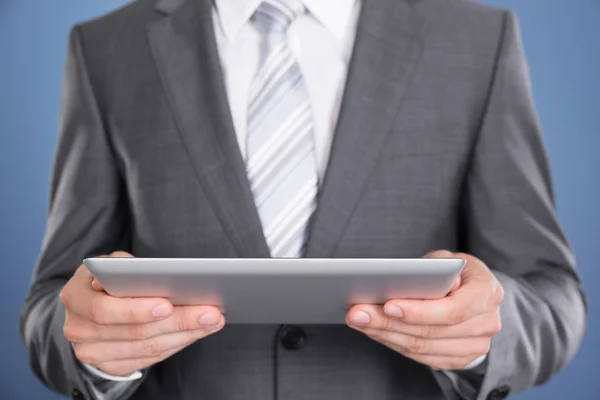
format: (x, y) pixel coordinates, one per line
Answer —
(79, 297)
(103, 309)
(97, 353)
(77, 287)
(117, 254)
(458, 347)
(368, 315)
(478, 293)
(454, 309)
(184, 318)
(84, 273)
(439, 254)
(445, 254)
(487, 324)
(121, 254)
(127, 367)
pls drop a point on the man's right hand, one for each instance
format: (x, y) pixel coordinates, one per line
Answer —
(122, 335)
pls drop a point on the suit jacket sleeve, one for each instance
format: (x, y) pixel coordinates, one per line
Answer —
(510, 223)
(87, 216)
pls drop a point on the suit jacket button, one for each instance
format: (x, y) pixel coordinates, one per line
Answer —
(76, 395)
(500, 393)
(293, 337)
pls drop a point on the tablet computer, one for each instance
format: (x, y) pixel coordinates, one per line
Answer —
(276, 290)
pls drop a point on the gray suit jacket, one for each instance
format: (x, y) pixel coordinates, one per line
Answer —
(437, 147)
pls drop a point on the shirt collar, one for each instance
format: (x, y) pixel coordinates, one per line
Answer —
(333, 14)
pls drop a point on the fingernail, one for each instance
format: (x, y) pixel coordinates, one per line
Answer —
(161, 311)
(360, 318)
(209, 319)
(394, 311)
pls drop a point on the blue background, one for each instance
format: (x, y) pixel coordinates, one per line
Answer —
(562, 41)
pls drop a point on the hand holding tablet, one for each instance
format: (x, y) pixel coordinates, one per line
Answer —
(120, 336)
(363, 293)
(450, 333)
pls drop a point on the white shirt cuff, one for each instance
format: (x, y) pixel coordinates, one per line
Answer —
(476, 362)
(93, 370)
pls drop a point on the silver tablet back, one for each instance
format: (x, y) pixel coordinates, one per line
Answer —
(293, 291)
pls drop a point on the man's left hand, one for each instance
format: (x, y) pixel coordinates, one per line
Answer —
(445, 334)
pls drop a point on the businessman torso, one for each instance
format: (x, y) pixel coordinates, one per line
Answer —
(166, 178)
(400, 151)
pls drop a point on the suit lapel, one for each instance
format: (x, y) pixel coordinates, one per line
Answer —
(388, 44)
(185, 52)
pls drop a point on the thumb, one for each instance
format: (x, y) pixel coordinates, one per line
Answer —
(446, 254)
(474, 271)
(120, 254)
(440, 254)
(96, 285)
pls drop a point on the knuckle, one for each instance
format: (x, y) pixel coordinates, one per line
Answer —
(182, 324)
(493, 328)
(498, 294)
(496, 325)
(131, 314)
(484, 348)
(64, 297)
(498, 320)
(192, 336)
(456, 315)
(72, 333)
(85, 355)
(376, 334)
(480, 348)
(138, 331)
(487, 331)
(387, 324)
(416, 345)
(151, 348)
(196, 335)
(427, 331)
(97, 312)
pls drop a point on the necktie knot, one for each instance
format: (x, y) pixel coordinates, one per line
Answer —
(277, 15)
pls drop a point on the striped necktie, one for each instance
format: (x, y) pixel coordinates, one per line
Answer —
(281, 161)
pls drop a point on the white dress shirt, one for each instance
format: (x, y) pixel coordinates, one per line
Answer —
(321, 41)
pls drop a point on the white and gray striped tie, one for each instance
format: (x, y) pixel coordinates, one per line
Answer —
(281, 163)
